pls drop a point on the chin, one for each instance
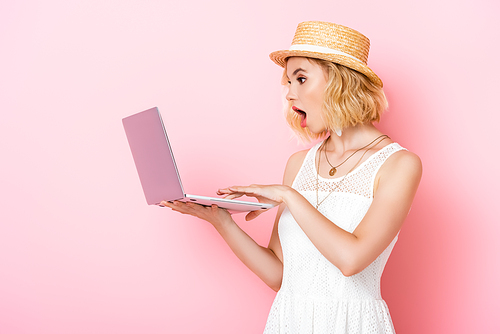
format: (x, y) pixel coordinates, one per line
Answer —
(316, 131)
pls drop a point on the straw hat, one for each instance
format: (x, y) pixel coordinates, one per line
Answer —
(329, 41)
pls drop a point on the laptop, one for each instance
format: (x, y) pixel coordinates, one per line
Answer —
(156, 166)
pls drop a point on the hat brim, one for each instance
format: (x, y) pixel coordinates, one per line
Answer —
(280, 58)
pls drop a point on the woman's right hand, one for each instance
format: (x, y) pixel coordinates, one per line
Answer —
(212, 214)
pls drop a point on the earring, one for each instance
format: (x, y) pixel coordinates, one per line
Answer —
(338, 132)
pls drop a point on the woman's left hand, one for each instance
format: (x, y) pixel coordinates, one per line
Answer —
(270, 194)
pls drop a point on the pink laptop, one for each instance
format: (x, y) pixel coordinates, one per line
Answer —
(156, 166)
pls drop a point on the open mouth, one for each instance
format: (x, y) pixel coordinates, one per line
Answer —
(302, 115)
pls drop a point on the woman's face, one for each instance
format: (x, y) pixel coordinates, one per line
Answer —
(307, 84)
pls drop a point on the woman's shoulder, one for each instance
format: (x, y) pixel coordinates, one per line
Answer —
(293, 166)
(405, 157)
(298, 157)
(403, 162)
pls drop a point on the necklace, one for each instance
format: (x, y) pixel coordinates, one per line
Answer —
(372, 144)
(334, 169)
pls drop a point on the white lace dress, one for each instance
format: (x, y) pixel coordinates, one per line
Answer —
(315, 297)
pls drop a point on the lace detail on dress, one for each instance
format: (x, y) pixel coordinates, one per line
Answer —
(315, 297)
(358, 182)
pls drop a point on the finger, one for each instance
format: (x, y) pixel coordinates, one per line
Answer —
(251, 189)
(179, 207)
(195, 208)
(229, 192)
(241, 191)
(237, 189)
(253, 214)
(232, 196)
(184, 208)
(167, 204)
(214, 208)
(223, 191)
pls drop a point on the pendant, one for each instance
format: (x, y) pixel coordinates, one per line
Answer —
(332, 171)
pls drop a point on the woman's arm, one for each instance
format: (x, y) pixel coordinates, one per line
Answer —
(396, 185)
(262, 261)
(266, 263)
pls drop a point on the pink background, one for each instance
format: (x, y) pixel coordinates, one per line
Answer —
(81, 252)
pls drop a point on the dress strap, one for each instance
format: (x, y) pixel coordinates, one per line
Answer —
(360, 181)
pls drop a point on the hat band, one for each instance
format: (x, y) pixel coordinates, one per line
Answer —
(320, 49)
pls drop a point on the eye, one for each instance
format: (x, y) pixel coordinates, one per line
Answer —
(301, 80)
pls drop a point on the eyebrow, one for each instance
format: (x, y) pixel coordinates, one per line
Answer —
(298, 70)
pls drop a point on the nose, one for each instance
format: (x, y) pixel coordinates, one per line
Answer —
(290, 94)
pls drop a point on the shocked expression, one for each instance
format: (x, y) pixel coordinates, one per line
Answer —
(307, 83)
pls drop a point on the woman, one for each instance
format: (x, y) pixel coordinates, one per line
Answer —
(341, 204)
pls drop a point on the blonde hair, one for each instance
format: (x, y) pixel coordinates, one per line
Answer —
(350, 98)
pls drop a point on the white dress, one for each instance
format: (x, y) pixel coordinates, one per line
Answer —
(315, 297)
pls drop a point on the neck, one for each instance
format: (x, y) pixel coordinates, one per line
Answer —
(352, 138)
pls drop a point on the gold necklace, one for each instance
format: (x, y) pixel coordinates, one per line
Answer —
(318, 203)
(334, 169)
